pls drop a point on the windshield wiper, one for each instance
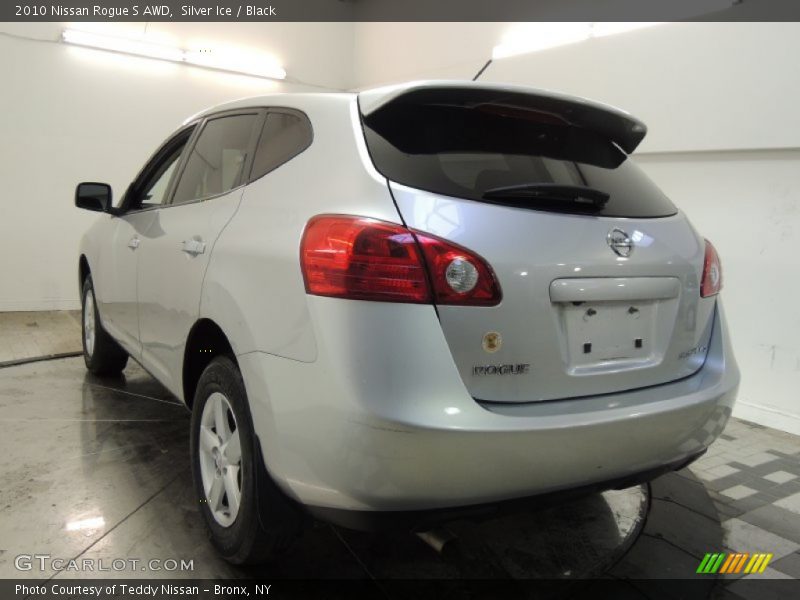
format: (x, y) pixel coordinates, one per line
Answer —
(550, 193)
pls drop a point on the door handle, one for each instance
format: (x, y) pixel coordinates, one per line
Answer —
(133, 244)
(193, 247)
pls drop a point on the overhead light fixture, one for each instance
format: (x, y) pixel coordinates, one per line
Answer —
(122, 45)
(604, 29)
(239, 61)
(532, 37)
(523, 38)
(235, 60)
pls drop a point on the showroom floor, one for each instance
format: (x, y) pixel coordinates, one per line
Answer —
(26, 335)
(97, 468)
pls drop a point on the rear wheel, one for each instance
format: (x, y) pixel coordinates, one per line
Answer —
(101, 353)
(249, 520)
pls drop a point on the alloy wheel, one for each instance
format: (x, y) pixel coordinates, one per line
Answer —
(220, 459)
(88, 322)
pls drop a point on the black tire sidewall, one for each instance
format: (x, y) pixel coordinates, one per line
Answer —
(234, 542)
(108, 357)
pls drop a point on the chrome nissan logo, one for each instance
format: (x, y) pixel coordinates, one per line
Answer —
(620, 242)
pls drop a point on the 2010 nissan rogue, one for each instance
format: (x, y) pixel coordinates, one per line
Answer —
(408, 303)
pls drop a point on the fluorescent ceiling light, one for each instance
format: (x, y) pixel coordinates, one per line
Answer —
(123, 45)
(234, 61)
(532, 37)
(604, 29)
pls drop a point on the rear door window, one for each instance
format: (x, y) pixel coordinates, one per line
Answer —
(468, 150)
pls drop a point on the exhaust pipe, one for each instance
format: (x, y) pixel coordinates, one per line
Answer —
(436, 538)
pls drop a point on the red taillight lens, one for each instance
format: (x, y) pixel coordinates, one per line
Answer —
(712, 272)
(362, 259)
(366, 259)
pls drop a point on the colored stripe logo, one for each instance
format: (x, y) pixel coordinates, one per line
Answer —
(737, 562)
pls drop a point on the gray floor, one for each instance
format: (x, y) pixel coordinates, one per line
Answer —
(25, 335)
(99, 469)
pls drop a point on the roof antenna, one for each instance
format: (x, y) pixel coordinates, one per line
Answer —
(483, 68)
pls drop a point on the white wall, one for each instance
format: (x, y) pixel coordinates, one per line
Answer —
(70, 114)
(698, 86)
(724, 142)
(748, 205)
(391, 52)
(719, 99)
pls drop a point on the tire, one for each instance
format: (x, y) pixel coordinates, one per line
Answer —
(261, 523)
(101, 353)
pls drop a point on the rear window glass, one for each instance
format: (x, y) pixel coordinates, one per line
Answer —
(467, 150)
(285, 135)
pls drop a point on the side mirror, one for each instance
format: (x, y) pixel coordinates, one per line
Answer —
(93, 196)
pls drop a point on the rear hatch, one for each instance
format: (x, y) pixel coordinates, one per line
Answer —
(599, 272)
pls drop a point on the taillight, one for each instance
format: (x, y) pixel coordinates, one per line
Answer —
(459, 276)
(712, 272)
(362, 259)
(366, 259)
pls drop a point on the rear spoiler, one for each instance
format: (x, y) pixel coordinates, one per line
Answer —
(623, 129)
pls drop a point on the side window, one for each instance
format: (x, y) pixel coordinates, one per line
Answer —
(156, 188)
(216, 162)
(152, 187)
(285, 135)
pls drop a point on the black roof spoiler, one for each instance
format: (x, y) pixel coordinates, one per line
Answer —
(620, 127)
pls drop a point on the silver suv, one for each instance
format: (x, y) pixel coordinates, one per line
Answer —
(406, 304)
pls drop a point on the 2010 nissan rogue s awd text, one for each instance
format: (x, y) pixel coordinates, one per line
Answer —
(408, 303)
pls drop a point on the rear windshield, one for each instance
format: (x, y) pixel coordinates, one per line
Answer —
(467, 150)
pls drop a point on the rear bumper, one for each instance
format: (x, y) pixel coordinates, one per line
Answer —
(424, 520)
(390, 427)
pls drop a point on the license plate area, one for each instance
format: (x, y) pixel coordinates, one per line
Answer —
(609, 335)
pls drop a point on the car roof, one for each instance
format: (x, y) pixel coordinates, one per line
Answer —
(301, 101)
(619, 125)
(372, 99)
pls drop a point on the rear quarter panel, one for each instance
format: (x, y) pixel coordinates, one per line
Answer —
(254, 288)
